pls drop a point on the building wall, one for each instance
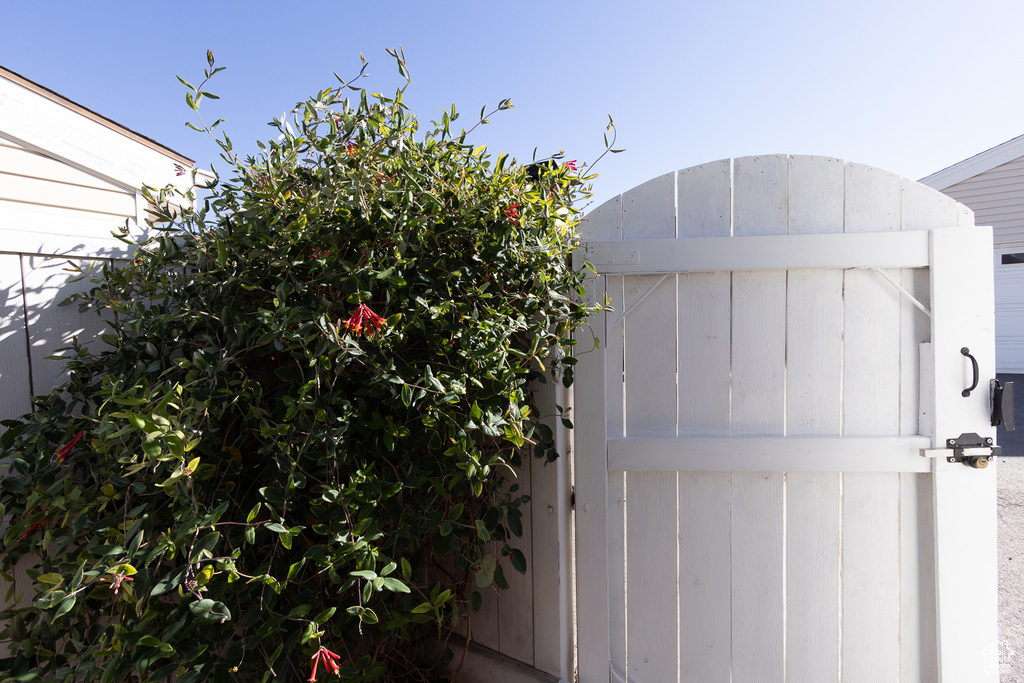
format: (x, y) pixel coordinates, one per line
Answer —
(997, 198)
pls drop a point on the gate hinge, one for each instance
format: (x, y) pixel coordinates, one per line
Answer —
(970, 449)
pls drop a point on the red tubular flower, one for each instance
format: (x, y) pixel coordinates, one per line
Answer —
(364, 320)
(64, 450)
(328, 658)
(571, 165)
(38, 525)
(512, 212)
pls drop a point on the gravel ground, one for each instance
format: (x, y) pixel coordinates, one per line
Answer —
(1011, 567)
(1011, 542)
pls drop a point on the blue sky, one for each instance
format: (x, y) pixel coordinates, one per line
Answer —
(908, 85)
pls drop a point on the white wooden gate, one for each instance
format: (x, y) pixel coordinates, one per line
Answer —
(751, 502)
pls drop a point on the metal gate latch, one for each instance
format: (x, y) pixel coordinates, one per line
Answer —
(970, 449)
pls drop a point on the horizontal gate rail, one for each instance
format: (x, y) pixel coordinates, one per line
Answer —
(763, 252)
(767, 454)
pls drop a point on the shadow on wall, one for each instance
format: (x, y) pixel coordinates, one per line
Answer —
(35, 325)
(1013, 442)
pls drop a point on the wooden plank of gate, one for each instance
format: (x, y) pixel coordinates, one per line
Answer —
(965, 500)
(760, 201)
(814, 352)
(705, 614)
(649, 358)
(871, 406)
(923, 209)
(592, 553)
(516, 605)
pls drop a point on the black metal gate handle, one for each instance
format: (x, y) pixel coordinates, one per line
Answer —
(974, 365)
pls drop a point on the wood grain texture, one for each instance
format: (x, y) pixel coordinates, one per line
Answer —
(652, 639)
(758, 352)
(918, 656)
(758, 563)
(649, 211)
(871, 579)
(871, 355)
(705, 350)
(813, 533)
(761, 195)
(591, 480)
(705, 577)
(704, 200)
(516, 605)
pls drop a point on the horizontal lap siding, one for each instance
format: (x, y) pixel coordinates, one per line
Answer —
(997, 198)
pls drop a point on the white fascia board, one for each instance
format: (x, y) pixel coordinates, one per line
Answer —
(40, 123)
(976, 165)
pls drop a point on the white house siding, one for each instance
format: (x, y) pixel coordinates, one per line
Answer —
(49, 211)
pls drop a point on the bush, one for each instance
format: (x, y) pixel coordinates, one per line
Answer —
(294, 450)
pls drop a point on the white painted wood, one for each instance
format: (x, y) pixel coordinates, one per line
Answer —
(649, 211)
(705, 577)
(813, 551)
(704, 345)
(871, 355)
(814, 352)
(516, 605)
(870, 636)
(800, 496)
(591, 474)
(652, 616)
(770, 454)
(871, 406)
(758, 352)
(36, 122)
(50, 193)
(704, 499)
(873, 199)
(52, 327)
(964, 499)
(758, 570)
(918, 658)
(814, 382)
(702, 254)
(552, 569)
(52, 231)
(704, 200)
(16, 160)
(760, 205)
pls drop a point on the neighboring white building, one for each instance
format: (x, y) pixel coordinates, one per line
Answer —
(69, 177)
(992, 184)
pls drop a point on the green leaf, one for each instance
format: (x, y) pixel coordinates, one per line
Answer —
(518, 560)
(394, 585)
(65, 606)
(322, 618)
(481, 531)
(210, 610)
